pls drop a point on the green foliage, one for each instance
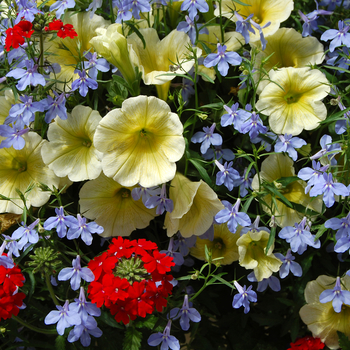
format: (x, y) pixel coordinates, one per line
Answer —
(132, 339)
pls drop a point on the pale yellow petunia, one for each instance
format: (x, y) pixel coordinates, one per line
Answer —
(111, 206)
(21, 168)
(253, 255)
(294, 103)
(141, 142)
(321, 319)
(195, 205)
(273, 168)
(71, 150)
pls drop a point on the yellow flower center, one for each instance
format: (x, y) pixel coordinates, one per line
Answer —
(19, 165)
(219, 247)
(125, 193)
(292, 97)
(87, 143)
(256, 19)
(143, 133)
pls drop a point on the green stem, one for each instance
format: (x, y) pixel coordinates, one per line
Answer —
(33, 328)
(51, 291)
(204, 285)
(111, 11)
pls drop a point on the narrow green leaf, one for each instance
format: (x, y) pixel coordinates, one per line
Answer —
(202, 172)
(271, 239)
(278, 194)
(285, 181)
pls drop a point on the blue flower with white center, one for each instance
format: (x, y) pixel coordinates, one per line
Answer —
(288, 143)
(244, 26)
(299, 237)
(81, 228)
(161, 202)
(26, 9)
(144, 193)
(61, 222)
(84, 308)
(219, 154)
(254, 226)
(64, 318)
(227, 175)
(171, 251)
(26, 234)
(328, 188)
(193, 6)
(83, 83)
(232, 216)
(186, 314)
(337, 296)
(13, 137)
(61, 7)
(338, 37)
(29, 77)
(189, 27)
(167, 340)
(312, 175)
(234, 116)
(83, 331)
(207, 138)
(253, 125)
(55, 107)
(329, 150)
(75, 274)
(222, 59)
(272, 282)
(94, 64)
(244, 297)
(288, 265)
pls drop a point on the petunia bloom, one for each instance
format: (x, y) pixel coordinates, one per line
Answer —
(295, 103)
(70, 150)
(141, 142)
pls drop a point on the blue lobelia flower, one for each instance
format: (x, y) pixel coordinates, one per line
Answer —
(244, 297)
(144, 193)
(189, 27)
(171, 251)
(253, 125)
(234, 116)
(186, 314)
(13, 137)
(244, 26)
(83, 331)
(161, 202)
(94, 64)
(61, 6)
(299, 237)
(219, 154)
(26, 10)
(81, 228)
(83, 83)
(231, 215)
(75, 274)
(222, 59)
(343, 232)
(329, 149)
(288, 265)
(337, 296)
(167, 340)
(64, 318)
(328, 188)
(61, 222)
(227, 175)
(338, 37)
(272, 282)
(84, 308)
(207, 138)
(26, 234)
(55, 107)
(193, 6)
(287, 143)
(312, 175)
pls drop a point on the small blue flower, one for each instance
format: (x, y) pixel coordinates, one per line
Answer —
(207, 138)
(26, 9)
(81, 228)
(193, 6)
(329, 150)
(336, 295)
(234, 116)
(161, 202)
(186, 314)
(171, 251)
(338, 37)
(227, 175)
(231, 215)
(167, 340)
(145, 193)
(244, 26)
(60, 222)
(189, 27)
(76, 273)
(83, 331)
(343, 232)
(272, 282)
(244, 297)
(84, 308)
(312, 175)
(61, 6)
(64, 318)
(222, 59)
(219, 154)
(13, 137)
(94, 64)
(26, 234)
(289, 265)
(55, 107)
(299, 237)
(288, 143)
(253, 125)
(83, 83)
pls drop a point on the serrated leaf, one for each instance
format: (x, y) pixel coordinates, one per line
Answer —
(147, 323)
(344, 341)
(132, 339)
(60, 343)
(108, 319)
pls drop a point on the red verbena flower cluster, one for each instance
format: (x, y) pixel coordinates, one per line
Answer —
(131, 279)
(64, 30)
(10, 299)
(307, 343)
(15, 36)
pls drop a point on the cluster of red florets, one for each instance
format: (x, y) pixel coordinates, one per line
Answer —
(64, 30)
(307, 343)
(131, 279)
(10, 299)
(15, 36)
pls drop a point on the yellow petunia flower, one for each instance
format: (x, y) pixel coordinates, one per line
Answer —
(112, 45)
(111, 206)
(273, 168)
(6, 102)
(294, 103)
(253, 255)
(141, 142)
(287, 48)
(21, 168)
(159, 57)
(264, 11)
(195, 205)
(71, 150)
(68, 52)
(222, 246)
(321, 319)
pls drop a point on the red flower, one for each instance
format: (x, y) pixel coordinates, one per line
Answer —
(131, 279)
(64, 30)
(15, 36)
(10, 299)
(307, 343)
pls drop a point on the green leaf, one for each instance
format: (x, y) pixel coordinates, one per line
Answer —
(278, 194)
(60, 343)
(285, 181)
(132, 339)
(344, 341)
(138, 33)
(228, 284)
(147, 323)
(271, 239)
(202, 172)
(108, 319)
(247, 204)
(321, 230)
